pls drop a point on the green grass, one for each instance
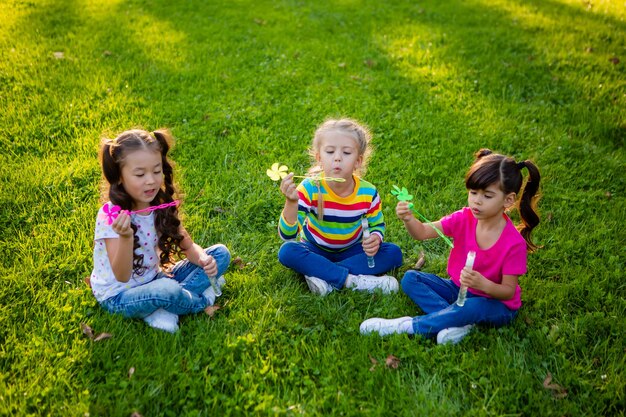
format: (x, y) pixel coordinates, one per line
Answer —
(244, 84)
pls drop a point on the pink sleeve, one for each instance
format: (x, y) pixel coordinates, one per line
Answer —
(451, 222)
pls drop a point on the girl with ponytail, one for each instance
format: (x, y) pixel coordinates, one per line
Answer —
(138, 235)
(497, 254)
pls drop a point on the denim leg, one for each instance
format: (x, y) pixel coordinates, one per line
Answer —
(163, 293)
(477, 310)
(192, 277)
(302, 258)
(388, 257)
(430, 292)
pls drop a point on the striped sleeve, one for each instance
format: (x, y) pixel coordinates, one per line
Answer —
(288, 231)
(375, 216)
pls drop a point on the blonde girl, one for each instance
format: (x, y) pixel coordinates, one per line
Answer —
(328, 216)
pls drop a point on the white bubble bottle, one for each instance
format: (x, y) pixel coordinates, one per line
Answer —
(469, 263)
(366, 234)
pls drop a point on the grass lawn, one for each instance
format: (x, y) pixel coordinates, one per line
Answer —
(243, 84)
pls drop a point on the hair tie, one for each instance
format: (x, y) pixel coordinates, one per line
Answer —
(521, 165)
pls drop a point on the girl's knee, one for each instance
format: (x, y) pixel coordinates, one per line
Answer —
(409, 280)
(395, 254)
(286, 251)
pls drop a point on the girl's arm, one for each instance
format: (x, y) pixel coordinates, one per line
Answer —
(503, 291)
(196, 255)
(417, 229)
(290, 210)
(120, 250)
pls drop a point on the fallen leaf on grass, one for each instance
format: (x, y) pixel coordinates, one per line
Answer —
(392, 362)
(240, 263)
(557, 390)
(102, 336)
(88, 281)
(420, 261)
(131, 371)
(135, 414)
(374, 363)
(614, 60)
(210, 310)
(88, 331)
(58, 55)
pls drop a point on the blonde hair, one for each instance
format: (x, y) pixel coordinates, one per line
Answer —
(348, 127)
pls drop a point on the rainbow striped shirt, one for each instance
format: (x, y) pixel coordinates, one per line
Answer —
(341, 227)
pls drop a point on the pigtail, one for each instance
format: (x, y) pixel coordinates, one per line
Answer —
(167, 221)
(528, 203)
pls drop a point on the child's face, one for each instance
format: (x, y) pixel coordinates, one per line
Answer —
(339, 155)
(142, 176)
(490, 202)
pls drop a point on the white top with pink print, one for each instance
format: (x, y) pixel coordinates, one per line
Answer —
(103, 282)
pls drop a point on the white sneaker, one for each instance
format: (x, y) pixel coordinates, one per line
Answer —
(371, 282)
(385, 327)
(163, 320)
(318, 286)
(453, 334)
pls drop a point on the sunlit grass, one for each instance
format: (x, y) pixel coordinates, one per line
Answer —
(244, 84)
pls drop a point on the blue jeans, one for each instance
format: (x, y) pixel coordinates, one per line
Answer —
(334, 267)
(180, 292)
(437, 298)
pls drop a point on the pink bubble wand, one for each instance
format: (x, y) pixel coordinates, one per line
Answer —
(114, 211)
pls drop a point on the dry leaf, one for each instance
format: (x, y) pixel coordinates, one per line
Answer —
(58, 55)
(87, 281)
(210, 310)
(557, 390)
(239, 263)
(102, 336)
(135, 414)
(131, 371)
(392, 362)
(341, 65)
(614, 60)
(608, 195)
(374, 363)
(87, 331)
(260, 22)
(420, 261)
(370, 63)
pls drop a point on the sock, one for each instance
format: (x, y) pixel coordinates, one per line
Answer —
(407, 327)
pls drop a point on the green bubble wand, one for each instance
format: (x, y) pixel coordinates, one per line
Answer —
(403, 195)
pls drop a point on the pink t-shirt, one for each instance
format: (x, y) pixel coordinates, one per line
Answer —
(506, 257)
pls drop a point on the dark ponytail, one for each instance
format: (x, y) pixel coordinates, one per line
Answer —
(528, 203)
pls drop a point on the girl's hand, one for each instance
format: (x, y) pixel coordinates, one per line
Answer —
(208, 264)
(473, 279)
(288, 188)
(121, 225)
(371, 244)
(403, 211)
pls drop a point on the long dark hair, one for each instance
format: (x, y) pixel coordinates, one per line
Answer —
(491, 168)
(112, 156)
